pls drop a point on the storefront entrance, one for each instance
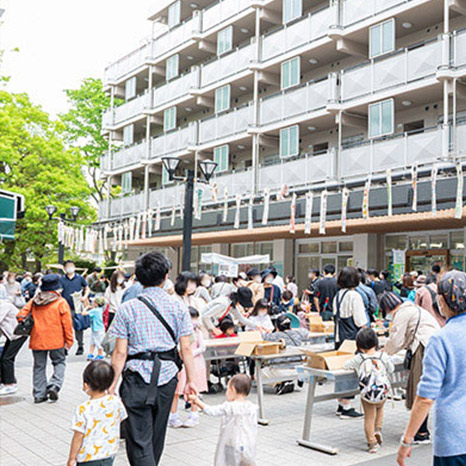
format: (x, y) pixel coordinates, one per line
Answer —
(424, 259)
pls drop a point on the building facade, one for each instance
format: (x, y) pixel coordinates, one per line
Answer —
(312, 95)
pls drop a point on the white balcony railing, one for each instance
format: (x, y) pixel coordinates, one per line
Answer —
(357, 10)
(459, 50)
(176, 88)
(129, 156)
(131, 109)
(167, 197)
(129, 63)
(126, 205)
(175, 141)
(225, 125)
(228, 65)
(310, 28)
(402, 68)
(222, 11)
(294, 102)
(240, 182)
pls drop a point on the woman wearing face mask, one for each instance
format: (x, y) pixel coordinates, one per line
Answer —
(185, 290)
(255, 284)
(114, 293)
(261, 316)
(202, 291)
(272, 292)
(412, 327)
(13, 289)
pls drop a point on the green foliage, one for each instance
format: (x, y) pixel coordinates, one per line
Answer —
(35, 162)
(85, 264)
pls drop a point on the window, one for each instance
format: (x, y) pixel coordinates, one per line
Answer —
(382, 38)
(289, 141)
(225, 40)
(291, 70)
(165, 176)
(221, 158)
(169, 119)
(292, 9)
(130, 88)
(174, 14)
(381, 118)
(242, 249)
(457, 239)
(128, 135)
(126, 182)
(172, 69)
(222, 99)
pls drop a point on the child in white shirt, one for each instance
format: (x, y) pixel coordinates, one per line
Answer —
(96, 423)
(238, 431)
(261, 317)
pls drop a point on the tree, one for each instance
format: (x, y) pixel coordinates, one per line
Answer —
(83, 125)
(35, 162)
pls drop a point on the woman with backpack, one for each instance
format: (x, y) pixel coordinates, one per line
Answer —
(373, 368)
(411, 329)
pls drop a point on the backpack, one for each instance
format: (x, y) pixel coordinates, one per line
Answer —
(374, 384)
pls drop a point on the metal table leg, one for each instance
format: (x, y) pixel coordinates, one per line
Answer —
(260, 393)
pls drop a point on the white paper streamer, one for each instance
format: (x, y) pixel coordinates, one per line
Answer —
(389, 193)
(459, 192)
(126, 233)
(225, 204)
(214, 191)
(237, 212)
(414, 186)
(283, 193)
(173, 216)
(132, 222)
(293, 214)
(138, 227)
(323, 212)
(308, 218)
(365, 200)
(144, 225)
(250, 213)
(265, 213)
(434, 190)
(150, 215)
(158, 218)
(344, 208)
(198, 193)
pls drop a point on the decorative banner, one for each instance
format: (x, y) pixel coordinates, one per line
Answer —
(225, 204)
(198, 193)
(114, 238)
(120, 237)
(138, 227)
(414, 185)
(101, 242)
(265, 214)
(158, 218)
(389, 193)
(61, 232)
(81, 239)
(398, 260)
(251, 214)
(132, 222)
(293, 214)
(144, 225)
(459, 192)
(344, 208)
(214, 191)
(283, 193)
(126, 232)
(308, 219)
(434, 190)
(323, 212)
(237, 212)
(173, 216)
(365, 200)
(150, 215)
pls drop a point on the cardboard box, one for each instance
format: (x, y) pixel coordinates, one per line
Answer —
(316, 324)
(251, 343)
(332, 360)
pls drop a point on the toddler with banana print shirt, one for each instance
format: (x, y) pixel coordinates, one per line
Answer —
(96, 423)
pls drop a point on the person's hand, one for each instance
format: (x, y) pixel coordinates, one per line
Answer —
(190, 390)
(111, 390)
(71, 462)
(83, 299)
(192, 398)
(67, 346)
(403, 453)
(216, 332)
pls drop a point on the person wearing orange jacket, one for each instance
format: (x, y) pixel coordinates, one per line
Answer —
(51, 336)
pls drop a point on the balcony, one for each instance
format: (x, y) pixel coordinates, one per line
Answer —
(222, 11)
(175, 141)
(225, 125)
(353, 11)
(459, 57)
(129, 156)
(298, 172)
(239, 182)
(131, 62)
(176, 89)
(127, 111)
(228, 65)
(403, 67)
(312, 27)
(308, 98)
(167, 197)
(127, 205)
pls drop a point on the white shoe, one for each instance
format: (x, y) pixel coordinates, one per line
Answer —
(175, 422)
(8, 389)
(192, 421)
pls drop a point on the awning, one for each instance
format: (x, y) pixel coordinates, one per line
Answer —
(10, 205)
(214, 258)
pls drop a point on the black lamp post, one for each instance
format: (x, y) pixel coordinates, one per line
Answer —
(51, 209)
(207, 168)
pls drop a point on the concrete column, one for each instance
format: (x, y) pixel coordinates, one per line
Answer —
(283, 256)
(365, 251)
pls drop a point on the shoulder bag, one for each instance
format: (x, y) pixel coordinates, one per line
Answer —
(409, 353)
(25, 326)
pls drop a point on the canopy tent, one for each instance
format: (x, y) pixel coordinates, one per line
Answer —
(11, 206)
(219, 259)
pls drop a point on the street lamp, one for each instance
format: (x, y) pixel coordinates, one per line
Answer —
(207, 168)
(51, 209)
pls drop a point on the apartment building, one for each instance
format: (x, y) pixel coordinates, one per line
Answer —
(309, 94)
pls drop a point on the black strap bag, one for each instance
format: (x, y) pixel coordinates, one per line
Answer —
(25, 326)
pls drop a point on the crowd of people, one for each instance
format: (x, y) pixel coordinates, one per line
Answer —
(159, 328)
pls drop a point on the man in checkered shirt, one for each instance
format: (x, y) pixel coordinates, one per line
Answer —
(139, 336)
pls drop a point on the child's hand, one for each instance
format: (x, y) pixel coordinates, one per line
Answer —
(192, 398)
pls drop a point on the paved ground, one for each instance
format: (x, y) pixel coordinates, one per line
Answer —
(39, 435)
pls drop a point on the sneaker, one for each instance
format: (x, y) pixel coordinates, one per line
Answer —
(90, 357)
(379, 438)
(40, 400)
(98, 358)
(192, 421)
(374, 448)
(285, 387)
(8, 389)
(175, 422)
(52, 394)
(80, 351)
(339, 410)
(350, 414)
(422, 439)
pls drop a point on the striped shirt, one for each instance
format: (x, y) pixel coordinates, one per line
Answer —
(135, 322)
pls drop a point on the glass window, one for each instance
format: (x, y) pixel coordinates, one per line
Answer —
(345, 246)
(264, 248)
(382, 38)
(292, 9)
(128, 135)
(304, 264)
(222, 99)
(291, 70)
(289, 141)
(169, 119)
(172, 69)
(457, 262)
(381, 118)
(396, 242)
(329, 247)
(344, 261)
(418, 242)
(457, 239)
(439, 241)
(130, 88)
(309, 248)
(225, 40)
(242, 249)
(221, 158)
(126, 182)
(174, 14)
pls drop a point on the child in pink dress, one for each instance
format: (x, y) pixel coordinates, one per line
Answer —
(200, 377)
